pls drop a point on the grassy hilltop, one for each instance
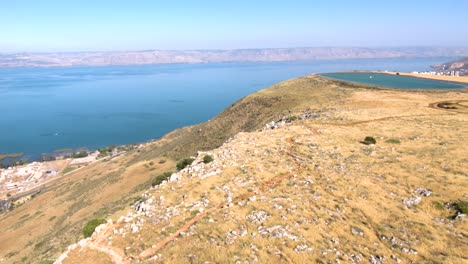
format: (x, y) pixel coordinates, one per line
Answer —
(307, 191)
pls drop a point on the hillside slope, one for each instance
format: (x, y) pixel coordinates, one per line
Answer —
(310, 191)
(307, 191)
(53, 219)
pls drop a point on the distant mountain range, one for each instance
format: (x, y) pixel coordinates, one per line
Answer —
(61, 59)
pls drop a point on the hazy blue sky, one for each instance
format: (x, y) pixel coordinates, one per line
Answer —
(62, 25)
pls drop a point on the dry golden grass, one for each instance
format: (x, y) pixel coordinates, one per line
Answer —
(313, 178)
(57, 215)
(350, 185)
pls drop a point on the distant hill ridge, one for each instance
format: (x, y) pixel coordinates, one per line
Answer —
(460, 65)
(62, 59)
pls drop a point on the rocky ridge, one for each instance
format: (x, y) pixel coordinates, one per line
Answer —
(286, 194)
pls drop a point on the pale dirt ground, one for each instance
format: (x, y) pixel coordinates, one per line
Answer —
(327, 197)
(461, 79)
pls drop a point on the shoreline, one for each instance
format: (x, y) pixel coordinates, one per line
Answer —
(115, 150)
(463, 83)
(444, 78)
(461, 80)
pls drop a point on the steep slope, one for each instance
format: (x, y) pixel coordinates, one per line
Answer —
(252, 113)
(311, 191)
(296, 188)
(53, 219)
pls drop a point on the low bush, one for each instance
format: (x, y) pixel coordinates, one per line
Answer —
(393, 141)
(91, 225)
(81, 154)
(207, 159)
(369, 141)
(462, 207)
(182, 164)
(68, 169)
(160, 178)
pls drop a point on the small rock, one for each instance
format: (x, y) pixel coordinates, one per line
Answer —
(277, 206)
(134, 228)
(257, 217)
(412, 201)
(357, 231)
(376, 259)
(302, 248)
(423, 192)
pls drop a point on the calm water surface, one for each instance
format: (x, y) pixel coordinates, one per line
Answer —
(394, 81)
(42, 110)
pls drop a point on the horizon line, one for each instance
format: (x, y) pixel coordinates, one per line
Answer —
(234, 49)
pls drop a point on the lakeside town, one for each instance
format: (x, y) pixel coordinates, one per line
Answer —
(453, 68)
(21, 181)
(16, 180)
(461, 72)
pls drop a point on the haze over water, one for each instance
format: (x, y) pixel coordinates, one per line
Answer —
(45, 109)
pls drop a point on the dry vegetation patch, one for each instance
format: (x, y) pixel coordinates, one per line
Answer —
(307, 191)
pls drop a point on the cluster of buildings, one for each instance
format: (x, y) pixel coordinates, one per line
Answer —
(461, 72)
(21, 178)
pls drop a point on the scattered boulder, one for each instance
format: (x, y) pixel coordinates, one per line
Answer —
(415, 200)
(423, 192)
(302, 248)
(376, 259)
(257, 217)
(357, 231)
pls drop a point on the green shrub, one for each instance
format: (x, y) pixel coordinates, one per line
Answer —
(194, 213)
(68, 169)
(462, 207)
(45, 261)
(160, 178)
(369, 140)
(138, 199)
(81, 154)
(393, 141)
(207, 159)
(91, 225)
(184, 163)
(438, 205)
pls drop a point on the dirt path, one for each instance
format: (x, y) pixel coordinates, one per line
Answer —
(452, 106)
(379, 119)
(98, 243)
(112, 253)
(272, 183)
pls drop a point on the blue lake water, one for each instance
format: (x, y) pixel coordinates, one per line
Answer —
(45, 109)
(393, 81)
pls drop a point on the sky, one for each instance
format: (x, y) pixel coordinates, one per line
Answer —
(102, 25)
